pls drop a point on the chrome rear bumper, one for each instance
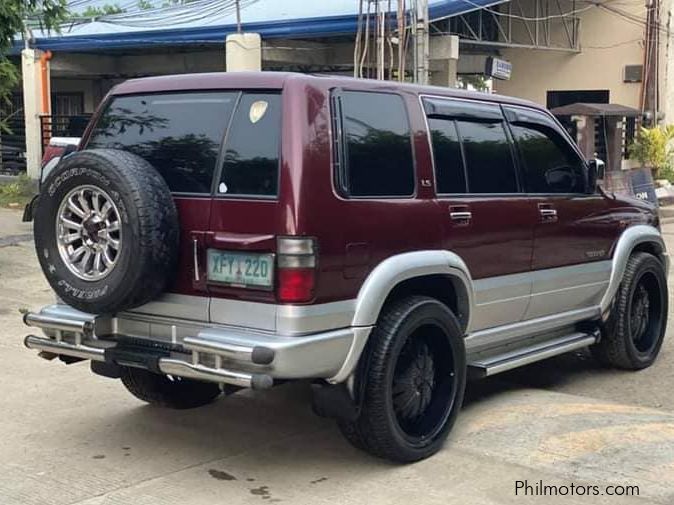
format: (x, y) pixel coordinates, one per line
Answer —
(213, 354)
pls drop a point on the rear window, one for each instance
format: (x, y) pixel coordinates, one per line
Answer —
(250, 165)
(378, 160)
(179, 134)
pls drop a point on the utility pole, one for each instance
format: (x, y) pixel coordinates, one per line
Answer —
(649, 91)
(238, 16)
(402, 37)
(421, 42)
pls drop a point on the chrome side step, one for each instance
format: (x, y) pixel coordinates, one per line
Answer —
(491, 365)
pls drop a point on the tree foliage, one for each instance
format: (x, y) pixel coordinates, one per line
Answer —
(15, 17)
(97, 12)
(653, 148)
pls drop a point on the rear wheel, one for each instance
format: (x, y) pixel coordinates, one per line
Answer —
(165, 391)
(413, 383)
(635, 331)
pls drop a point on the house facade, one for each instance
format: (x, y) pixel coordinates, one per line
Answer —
(554, 52)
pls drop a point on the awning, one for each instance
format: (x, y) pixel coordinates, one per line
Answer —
(210, 21)
(596, 109)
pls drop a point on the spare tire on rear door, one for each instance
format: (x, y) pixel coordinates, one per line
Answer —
(106, 231)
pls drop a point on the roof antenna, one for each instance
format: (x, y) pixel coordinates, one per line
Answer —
(238, 16)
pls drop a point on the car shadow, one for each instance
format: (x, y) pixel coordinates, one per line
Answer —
(552, 373)
(279, 424)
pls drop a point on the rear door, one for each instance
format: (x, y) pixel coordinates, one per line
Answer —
(487, 220)
(238, 252)
(575, 229)
(180, 135)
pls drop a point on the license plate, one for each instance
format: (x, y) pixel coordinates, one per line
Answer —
(241, 269)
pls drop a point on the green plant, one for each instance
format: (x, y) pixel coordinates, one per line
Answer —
(15, 17)
(97, 12)
(653, 148)
(19, 191)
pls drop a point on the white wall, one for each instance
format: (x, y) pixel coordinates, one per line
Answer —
(608, 43)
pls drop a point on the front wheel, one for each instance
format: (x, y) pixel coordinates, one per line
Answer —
(413, 382)
(634, 333)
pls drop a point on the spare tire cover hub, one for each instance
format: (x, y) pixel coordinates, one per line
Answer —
(89, 232)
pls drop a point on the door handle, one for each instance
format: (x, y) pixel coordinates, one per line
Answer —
(547, 212)
(195, 250)
(198, 247)
(460, 214)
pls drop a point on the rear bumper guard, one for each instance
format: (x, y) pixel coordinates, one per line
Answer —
(214, 354)
(168, 366)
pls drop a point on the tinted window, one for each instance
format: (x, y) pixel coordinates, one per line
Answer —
(378, 145)
(253, 143)
(179, 134)
(550, 164)
(489, 161)
(449, 173)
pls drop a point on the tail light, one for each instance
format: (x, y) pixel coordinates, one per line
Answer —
(296, 269)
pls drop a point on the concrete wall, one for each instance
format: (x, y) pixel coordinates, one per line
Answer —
(608, 43)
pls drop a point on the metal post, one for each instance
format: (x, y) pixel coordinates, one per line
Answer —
(422, 42)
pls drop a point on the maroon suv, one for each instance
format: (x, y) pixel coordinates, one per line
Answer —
(220, 231)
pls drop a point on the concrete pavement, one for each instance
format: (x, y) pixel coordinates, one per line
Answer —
(74, 438)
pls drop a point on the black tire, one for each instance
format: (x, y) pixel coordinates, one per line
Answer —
(148, 221)
(412, 426)
(636, 327)
(173, 393)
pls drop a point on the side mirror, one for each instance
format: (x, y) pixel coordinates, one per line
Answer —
(595, 172)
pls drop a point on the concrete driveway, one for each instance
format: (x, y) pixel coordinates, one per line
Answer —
(73, 438)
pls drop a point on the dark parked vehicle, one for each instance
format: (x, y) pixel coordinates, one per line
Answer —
(222, 231)
(12, 159)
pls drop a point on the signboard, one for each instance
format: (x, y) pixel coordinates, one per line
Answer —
(642, 185)
(498, 68)
(637, 183)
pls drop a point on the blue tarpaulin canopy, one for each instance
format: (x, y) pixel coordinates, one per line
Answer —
(151, 23)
